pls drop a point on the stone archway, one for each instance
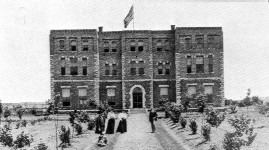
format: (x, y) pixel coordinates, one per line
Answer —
(137, 89)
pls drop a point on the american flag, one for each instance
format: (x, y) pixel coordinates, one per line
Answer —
(129, 17)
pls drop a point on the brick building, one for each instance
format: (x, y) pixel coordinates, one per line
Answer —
(136, 69)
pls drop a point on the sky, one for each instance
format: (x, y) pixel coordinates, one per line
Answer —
(25, 27)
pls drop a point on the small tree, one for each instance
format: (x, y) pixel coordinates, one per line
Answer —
(20, 111)
(7, 113)
(23, 140)
(65, 136)
(1, 111)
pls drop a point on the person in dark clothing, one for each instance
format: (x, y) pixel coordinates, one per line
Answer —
(122, 127)
(153, 117)
(111, 122)
(100, 123)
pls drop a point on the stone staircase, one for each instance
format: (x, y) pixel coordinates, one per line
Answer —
(138, 110)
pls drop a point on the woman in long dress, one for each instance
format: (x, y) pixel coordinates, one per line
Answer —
(99, 123)
(111, 123)
(123, 123)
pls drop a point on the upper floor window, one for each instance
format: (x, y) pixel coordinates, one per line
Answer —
(189, 68)
(107, 70)
(141, 71)
(114, 50)
(140, 48)
(133, 71)
(62, 44)
(84, 70)
(210, 63)
(73, 60)
(106, 50)
(159, 45)
(132, 48)
(167, 71)
(114, 46)
(200, 64)
(74, 70)
(166, 45)
(200, 41)
(85, 45)
(106, 44)
(62, 71)
(73, 45)
(114, 69)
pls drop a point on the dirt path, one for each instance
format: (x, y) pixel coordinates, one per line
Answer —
(139, 136)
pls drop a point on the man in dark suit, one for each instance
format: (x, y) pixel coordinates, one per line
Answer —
(153, 117)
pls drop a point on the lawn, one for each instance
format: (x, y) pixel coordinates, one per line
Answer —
(197, 141)
(44, 131)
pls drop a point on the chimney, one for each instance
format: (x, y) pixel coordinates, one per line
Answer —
(100, 29)
(172, 27)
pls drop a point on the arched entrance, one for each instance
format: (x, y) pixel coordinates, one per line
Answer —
(137, 97)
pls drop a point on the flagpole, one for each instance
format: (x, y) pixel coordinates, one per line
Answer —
(133, 20)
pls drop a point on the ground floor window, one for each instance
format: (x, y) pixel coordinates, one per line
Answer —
(191, 90)
(66, 103)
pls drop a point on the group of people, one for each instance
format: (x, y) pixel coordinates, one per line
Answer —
(110, 129)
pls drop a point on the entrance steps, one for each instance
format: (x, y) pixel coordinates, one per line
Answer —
(138, 110)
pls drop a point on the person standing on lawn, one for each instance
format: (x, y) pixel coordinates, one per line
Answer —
(123, 123)
(100, 123)
(153, 117)
(111, 122)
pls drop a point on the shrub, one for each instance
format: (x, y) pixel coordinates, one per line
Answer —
(5, 136)
(183, 122)
(41, 146)
(243, 135)
(7, 113)
(33, 122)
(24, 123)
(233, 109)
(193, 126)
(78, 128)
(64, 136)
(206, 129)
(91, 123)
(262, 109)
(18, 125)
(20, 111)
(23, 140)
(214, 118)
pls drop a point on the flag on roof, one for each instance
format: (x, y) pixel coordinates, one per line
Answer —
(129, 17)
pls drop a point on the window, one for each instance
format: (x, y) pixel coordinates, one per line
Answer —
(164, 91)
(106, 50)
(167, 71)
(114, 50)
(200, 41)
(199, 64)
(210, 40)
(111, 103)
(66, 103)
(132, 62)
(85, 45)
(84, 70)
(160, 71)
(189, 64)
(210, 63)
(133, 71)
(61, 42)
(82, 92)
(84, 59)
(111, 92)
(188, 43)
(62, 58)
(73, 45)
(132, 48)
(140, 48)
(107, 72)
(82, 101)
(208, 91)
(191, 90)
(73, 60)
(106, 44)
(159, 49)
(141, 71)
(141, 61)
(74, 70)
(62, 71)
(65, 92)
(167, 45)
(114, 69)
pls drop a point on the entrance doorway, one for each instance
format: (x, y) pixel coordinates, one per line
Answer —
(137, 100)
